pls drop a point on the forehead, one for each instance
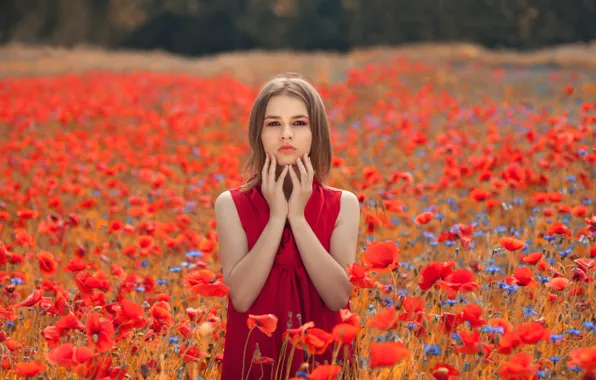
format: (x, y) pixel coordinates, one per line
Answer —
(285, 106)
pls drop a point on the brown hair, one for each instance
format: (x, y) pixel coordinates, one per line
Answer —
(320, 153)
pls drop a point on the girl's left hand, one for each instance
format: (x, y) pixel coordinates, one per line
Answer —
(301, 187)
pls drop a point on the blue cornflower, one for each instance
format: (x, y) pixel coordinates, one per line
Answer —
(455, 336)
(576, 368)
(194, 253)
(565, 253)
(573, 332)
(175, 269)
(388, 302)
(16, 281)
(449, 302)
(144, 264)
(302, 374)
(556, 337)
(590, 326)
(140, 289)
(432, 350)
(543, 279)
(554, 359)
(173, 340)
(492, 269)
(161, 281)
(529, 311)
(411, 325)
(549, 238)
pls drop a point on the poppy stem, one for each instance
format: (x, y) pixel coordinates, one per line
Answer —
(281, 357)
(244, 353)
(290, 362)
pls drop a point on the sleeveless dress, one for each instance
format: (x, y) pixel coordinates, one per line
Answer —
(287, 289)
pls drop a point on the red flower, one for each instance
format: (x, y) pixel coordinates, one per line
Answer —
(344, 333)
(423, 218)
(511, 243)
(584, 358)
(459, 280)
(384, 320)
(100, 332)
(558, 228)
(532, 332)
(387, 354)
(518, 367)
(266, 323)
(29, 369)
(66, 355)
(358, 276)
(433, 272)
(445, 372)
(325, 372)
(532, 258)
(47, 264)
(205, 283)
(381, 256)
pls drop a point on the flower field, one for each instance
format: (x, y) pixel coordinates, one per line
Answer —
(477, 244)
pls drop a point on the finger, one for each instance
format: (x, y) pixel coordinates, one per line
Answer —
(303, 173)
(294, 176)
(265, 171)
(309, 167)
(282, 176)
(272, 169)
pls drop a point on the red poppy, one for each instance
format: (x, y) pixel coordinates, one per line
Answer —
(325, 372)
(100, 332)
(266, 323)
(424, 218)
(461, 280)
(511, 243)
(28, 369)
(584, 358)
(532, 258)
(445, 372)
(558, 228)
(433, 272)
(358, 276)
(205, 283)
(47, 264)
(381, 257)
(479, 195)
(344, 333)
(386, 319)
(519, 366)
(558, 283)
(532, 332)
(387, 354)
(67, 355)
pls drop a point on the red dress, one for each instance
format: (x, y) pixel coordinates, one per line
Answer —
(287, 289)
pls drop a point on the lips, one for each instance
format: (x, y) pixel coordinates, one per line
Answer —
(287, 148)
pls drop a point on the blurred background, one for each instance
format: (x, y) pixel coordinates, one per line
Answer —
(202, 27)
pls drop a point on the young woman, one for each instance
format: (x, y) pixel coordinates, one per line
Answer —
(285, 237)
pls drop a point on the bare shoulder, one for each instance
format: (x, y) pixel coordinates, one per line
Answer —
(225, 209)
(349, 206)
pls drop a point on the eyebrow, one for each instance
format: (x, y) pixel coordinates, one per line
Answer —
(293, 117)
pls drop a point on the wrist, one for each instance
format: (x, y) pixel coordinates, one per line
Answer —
(296, 218)
(277, 219)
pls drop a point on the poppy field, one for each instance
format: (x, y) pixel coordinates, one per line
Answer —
(477, 245)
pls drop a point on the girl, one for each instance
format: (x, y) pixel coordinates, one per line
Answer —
(285, 237)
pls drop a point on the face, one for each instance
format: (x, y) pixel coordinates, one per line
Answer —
(286, 122)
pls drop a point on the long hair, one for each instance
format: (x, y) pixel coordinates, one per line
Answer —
(321, 151)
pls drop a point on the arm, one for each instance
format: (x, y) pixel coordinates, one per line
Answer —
(244, 272)
(328, 270)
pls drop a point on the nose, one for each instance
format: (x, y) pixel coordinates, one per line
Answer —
(287, 133)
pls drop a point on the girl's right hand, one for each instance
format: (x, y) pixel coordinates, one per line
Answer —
(273, 190)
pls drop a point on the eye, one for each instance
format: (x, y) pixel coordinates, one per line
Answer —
(300, 122)
(272, 124)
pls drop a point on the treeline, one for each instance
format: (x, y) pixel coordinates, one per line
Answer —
(197, 27)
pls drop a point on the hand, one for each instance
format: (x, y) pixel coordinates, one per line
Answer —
(273, 190)
(301, 187)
